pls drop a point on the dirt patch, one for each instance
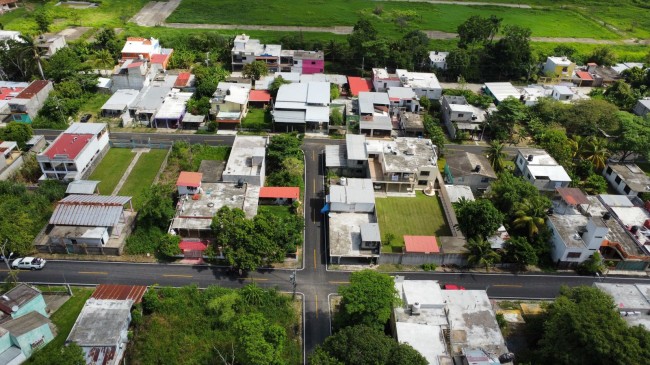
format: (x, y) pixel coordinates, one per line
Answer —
(155, 13)
(55, 301)
(74, 33)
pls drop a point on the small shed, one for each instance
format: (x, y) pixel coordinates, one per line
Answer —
(370, 236)
(189, 183)
(259, 98)
(279, 195)
(192, 249)
(82, 187)
(421, 244)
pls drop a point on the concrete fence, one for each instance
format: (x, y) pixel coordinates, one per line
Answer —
(12, 169)
(421, 258)
(141, 144)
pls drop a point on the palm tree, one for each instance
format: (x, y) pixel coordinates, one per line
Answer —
(31, 45)
(103, 59)
(596, 151)
(481, 253)
(577, 144)
(496, 156)
(531, 215)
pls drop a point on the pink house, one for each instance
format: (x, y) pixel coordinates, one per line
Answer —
(302, 62)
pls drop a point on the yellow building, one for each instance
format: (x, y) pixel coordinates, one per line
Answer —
(559, 67)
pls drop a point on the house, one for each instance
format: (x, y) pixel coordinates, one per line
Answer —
(421, 244)
(627, 178)
(423, 84)
(8, 35)
(171, 112)
(133, 74)
(151, 98)
(500, 91)
(259, 98)
(48, 45)
(632, 301)
(403, 164)
(10, 159)
(358, 85)
(26, 105)
(302, 107)
(459, 115)
(89, 224)
(290, 76)
(8, 91)
(531, 94)
(82, 187)
(279, 195)
(620, 67)
(140, 49)
(338, 80)
(642, 107)
(189, 183)
(470, 169)
(382, 80)
(192, 122)
(583, 78)
(438, 59)
(403, 98)
(374, 114)
(601, 76)
(247, 161)
(541, 170)
(35, 144)
(443, 325)
(302, 62)
(562, 93)
(229, 104)
(185, 82)
(411, 124)
(104, 85)
(352, 195)
(21, 300)
(559, 67)
(8, 5)
(21, 337)
(74, 151)
(246, 50)
(350, 160)
(118, 104)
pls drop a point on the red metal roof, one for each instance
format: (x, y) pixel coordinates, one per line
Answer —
(139, 39)
(68, 144)
(187, 178)
(6, 92)
(280, 192)
(182, 79)
(259, 95)
(584, 75)
(192, 246)
(120, 292)
(33, 89)
(358, 84)
(158, 58)
(573, 196)
(422, 244)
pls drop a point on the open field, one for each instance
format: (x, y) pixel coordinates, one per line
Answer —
(421, 216)
(142, 175)
(111, 169)
(395, 16)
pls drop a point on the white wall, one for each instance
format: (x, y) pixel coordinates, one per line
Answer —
(620, 186)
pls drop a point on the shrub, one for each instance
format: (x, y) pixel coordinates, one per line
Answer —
(429, 267)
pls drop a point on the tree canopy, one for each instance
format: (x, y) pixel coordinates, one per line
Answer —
(481, 210)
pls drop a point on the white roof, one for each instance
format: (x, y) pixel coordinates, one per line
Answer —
(121, 99)
(85, 128)
(461, 108)
(356, 147)
(318, 93)
(540, 157)
(317, 114)
(356, 191)
(368, 99)
(456, 192)
(238, 95)
(425, 292)
(138, 46)
(559, 61)
(295, 92)
(615, 200)
(289, 76)
(174, 106)
(436, 56)
(554, 173)
(402, 93)
(419, 80)
(562, 90)
(502, 90)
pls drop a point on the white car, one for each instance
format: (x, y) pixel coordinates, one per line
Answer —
(31, 263)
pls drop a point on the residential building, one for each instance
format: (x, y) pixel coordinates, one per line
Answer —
(49, 44)
(8, 35)
(82, 187)
(21, 300)
(133, 74)
(459, 115)
(302, 107)
(21, 337)
(89, 224)
(403, 164)
(35, 144)
(302, 62)
(448, 325)
(25, 106)
(140, 49)
(403, 98)
(627, 178)
(335, 79)
(171, 112)
(192, 122)
(74, 151)
(583, 78)
(411, 124)
(541, 170)
(423, 84)
(601, 76)
(382, 80)
(620, 67)
(532, 93)
(247, 161)
(247, 50)
(259, 98)
(562, 93)
(8, 5)
(470, 169)
(352, 195)
(10, 159)
(150, 100)
(185, 82)
(189, 183)
(117, 106)
(559, 67)
(358, 85)
(229, 104)
(642, 107)
(350, 160)
(632, 302)
(279, 195)
(438, 59)
(500, 91)
(374, 114)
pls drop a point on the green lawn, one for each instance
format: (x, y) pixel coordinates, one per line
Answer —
(257, 119)
(142, 175)
(277, 210)
(550, 22)
(111, 169)
(202, 152)
(420, 216)
(93, 105)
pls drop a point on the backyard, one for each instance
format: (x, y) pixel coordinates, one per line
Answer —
(420, 216)
(142, 175)
(111, 168)
(257, 119)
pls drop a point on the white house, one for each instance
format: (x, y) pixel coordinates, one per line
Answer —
(246, 50)
(247, 161)
(302, 106)
(562, 93)
(403, 97)
(352, 195)
(500, 91)
(627, 178)
(382, 80)
(73, 151)
(459, 115)
(559, 66)
(438, 59)
(642, 107)
(541, 170)
(423, 84)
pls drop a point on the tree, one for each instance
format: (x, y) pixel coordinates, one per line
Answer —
(603, 56)
(556, 143)
(480, 210)
(636, 77)
(519, 251)
(336, 118)
(530, 214)
(596, 152)
(363, 345)
(508, 191)
(586, 318)
(29, 45)
(509, 112)
(275, 85)
(496, 155)
(258, 341)
(282, 146)
(157, 207)
(622, 95)
(512, 53)
(478, 29)
(564, 50)
(363, 31)
(103, 59)
(595, 184)
(633, 137)
(207, 79)
(168, 245)
(106, 39)
(17, 132)
(435, 133)
(43, 20)
(593, 265)
(200, 106)
(69, 354)
(588, 117)
(481, 253)
(334, 91)
(255, 70)
(64, 64)
(367, 300)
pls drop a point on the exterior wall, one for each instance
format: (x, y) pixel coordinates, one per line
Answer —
(26, 341)
(383, 85)
(80, 164)
(187, 190)
(90, 241)
(432, 94)
(619, 186)
(354, 208)
(557, 70)
(474, 181)
(132, 79)
(421, 258)
(560, 252)
(427, 173)
(640, 109)
(37, 304)
(558, 96)
(312, 66)
(11, 169)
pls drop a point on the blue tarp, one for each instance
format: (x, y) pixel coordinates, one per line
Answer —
(326, 209)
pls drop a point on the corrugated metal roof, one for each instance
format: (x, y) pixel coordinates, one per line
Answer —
(370, 232)
(120, 292)
(335, 156)
(95, 199)
(84, 187)
(86, 215)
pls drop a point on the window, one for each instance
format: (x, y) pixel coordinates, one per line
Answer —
(528, 176)
(627, 189)
(422, 182)
(573, 255)
(565, 69)
(618, 179)
(424, 173)
(460, 115)
(313, 62)
(485, 180)
(608, 171)
(359, 162)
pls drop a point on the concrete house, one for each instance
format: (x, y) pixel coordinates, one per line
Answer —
(350, 160)
(642, 107)
(50, 44)
(301, 107)
(189, 183)
(118, 104)
(247, 161)
(151, 98)
(469, 169)
(10, 159)
(541, 170)
(149, 49)
(246, 50)
(26, 105)
(459, 115)
(382, 80)
(302, 62)
(229, 104)
(374, 114)
(21, 300)
(562, 93)
(438, 59)
(74, 151)
(423, 84)
(352, 195)
(627, 178)
(171, 112)
(403, 98)
(133, 74)
(559, 67)
(500, 91)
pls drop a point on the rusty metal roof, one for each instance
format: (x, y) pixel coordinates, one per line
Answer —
(120, 292)
(95, 200)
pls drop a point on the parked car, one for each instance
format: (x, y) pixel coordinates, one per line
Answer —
(453, 287)
(86, 118)
(28, 263)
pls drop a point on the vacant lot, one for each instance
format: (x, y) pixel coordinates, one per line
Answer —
(420, 216)
(142, 175)
(111, 169)
(393, 16)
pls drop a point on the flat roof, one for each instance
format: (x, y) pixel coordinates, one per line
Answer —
(355, 146)
(212, 170)
(465, 164)
(120, 292)
(368, 100)
(456, 192)
(568, 226)
(246, 156)
(25, 324)
(404, 154)
(502, 90)
(173, 107)
(356, 191)
(331, 78)
(421, 244)
(68, 145)
(121, 99)
(560, 61)
(152, 96)
(401, 93)
(101, 322)
(17, 297)
(628, 296)
(553, 173)
(615, 200)
(335, 156)
(345, 234)
(632, 175)
(562, 90)
(377, 123)
(370, 232)
(419, 80)
(539, 156)
(191, 179)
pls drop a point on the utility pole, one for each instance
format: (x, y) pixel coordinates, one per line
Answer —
(292, 280)
(6, 258)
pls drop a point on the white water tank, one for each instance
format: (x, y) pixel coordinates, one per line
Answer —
(415, 309)
(343, 181)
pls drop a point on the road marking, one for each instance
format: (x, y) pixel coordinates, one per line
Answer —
(508, 285)
(177, 276)
(339, 282)
(93, 272)
(316, 305)
(255, 279)
(314, 185)
(314, 259)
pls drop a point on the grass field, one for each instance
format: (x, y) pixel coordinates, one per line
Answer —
(257, 119)
(395, 16)
(111, 169)
(142, 175)
(281, 211)
(421, 216)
